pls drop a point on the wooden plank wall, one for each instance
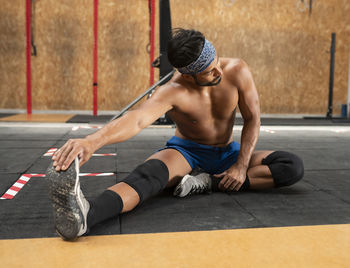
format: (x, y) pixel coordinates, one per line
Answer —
(286, 49)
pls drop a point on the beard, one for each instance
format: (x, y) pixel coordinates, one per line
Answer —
(215, 82)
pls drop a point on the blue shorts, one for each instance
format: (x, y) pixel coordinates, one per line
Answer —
(211, 159)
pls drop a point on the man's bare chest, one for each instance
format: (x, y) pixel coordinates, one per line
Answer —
(206, 106)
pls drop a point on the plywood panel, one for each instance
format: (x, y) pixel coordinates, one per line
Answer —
(62, 70)
(287, 50)
(12, 54)
(62, 118)
(304, 246)
(124, 61)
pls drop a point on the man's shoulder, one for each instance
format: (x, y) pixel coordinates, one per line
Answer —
(236, 70)
(175, 85)
(171, 90)
(234, 65)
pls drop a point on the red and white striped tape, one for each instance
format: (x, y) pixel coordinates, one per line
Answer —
(95, 174)
(111, 154)
(267, 130)
(339, 130)
(18, 185)
(51, 151)
(86, 127)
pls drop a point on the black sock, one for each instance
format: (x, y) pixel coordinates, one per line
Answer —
(215, 184)
(109, 204)
(245, 186)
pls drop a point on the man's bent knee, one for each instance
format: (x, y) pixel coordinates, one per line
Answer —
(286, 168)
(149, 178)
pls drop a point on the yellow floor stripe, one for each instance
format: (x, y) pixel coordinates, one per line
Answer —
(59, 118)
(305, 246)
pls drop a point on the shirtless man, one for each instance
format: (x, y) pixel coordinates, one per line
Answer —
(201, 98)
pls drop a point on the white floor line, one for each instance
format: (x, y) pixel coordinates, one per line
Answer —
(270, 129)
(46, 125)
(301, 128)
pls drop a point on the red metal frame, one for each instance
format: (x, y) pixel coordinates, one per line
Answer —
(28, 56)
(95, 58)
(151, 54)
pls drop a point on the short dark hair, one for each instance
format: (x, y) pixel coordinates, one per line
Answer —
(184, 46)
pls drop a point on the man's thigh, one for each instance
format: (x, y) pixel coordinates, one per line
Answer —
(176, 163)
(257, 157)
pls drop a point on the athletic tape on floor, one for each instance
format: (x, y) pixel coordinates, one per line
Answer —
(51, 151)
(267, 130)
(75, 128)
(19, 184)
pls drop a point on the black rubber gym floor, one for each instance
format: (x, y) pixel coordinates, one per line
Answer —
(314, 121)
(322, 197)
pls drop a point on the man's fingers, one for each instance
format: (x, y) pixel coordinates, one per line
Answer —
(75, 151)
(223, 182)
(238, 186)
(81, 163)
(68, 161)
(64, 157)
(54, 156)
(219, 175)
(229, 182)
(65, 152)
(57, 155)
(83, 158)
(232, 185)
(235, 186)
(58, 159)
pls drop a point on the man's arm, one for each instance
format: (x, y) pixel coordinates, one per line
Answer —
(116, 131)
(250, 110)
(233, 178)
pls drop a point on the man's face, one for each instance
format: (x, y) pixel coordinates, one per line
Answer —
(211, 76)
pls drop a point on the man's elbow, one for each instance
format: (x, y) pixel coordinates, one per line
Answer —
(258, 121)
(253, 121)
(252, 118)
(143, 122)
(133, 120)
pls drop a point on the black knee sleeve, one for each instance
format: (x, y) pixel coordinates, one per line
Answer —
(148, 178)
(286, 168)
(245, 186)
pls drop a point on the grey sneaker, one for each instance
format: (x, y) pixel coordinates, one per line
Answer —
(193, 184)
(69, 204)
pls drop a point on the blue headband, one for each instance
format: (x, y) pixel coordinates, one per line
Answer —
(205, 58)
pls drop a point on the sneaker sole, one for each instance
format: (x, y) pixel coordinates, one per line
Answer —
(181, 186)
(63, 194)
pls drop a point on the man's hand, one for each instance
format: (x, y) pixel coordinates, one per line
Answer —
(233, 178)
(63, 157)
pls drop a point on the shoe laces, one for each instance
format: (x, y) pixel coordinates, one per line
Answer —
(199, 186)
